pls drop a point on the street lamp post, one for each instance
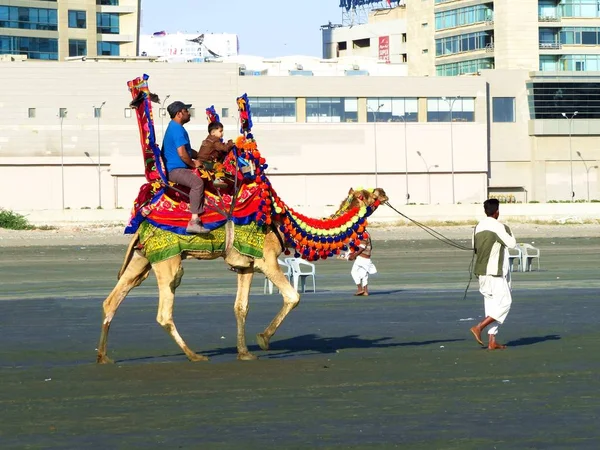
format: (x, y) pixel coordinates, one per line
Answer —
(62, 113)
(587, 174)
(98, 113)
(428, 168)
(403, 117)
(450, 102)
(570, 119)
(375, 138)
(162, 113)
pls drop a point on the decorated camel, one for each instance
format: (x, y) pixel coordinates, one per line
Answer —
(251, 226)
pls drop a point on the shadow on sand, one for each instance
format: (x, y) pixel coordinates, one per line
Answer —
(316, 344)
(533, 340)
(309, 343)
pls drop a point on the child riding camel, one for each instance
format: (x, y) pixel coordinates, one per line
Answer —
(213, 149)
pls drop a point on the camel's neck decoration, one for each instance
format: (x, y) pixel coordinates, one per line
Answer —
(311, 239)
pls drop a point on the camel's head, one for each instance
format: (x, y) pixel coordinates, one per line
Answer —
(368, 197)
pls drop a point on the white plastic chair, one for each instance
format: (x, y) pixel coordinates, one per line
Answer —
(528, 254)
(287, 271)
(301, 275)
(515, 258)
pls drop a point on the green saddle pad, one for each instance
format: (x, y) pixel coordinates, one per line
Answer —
(159, 245)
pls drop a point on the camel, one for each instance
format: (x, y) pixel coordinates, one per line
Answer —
(136, 268)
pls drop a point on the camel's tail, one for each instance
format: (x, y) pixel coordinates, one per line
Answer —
(130, 249)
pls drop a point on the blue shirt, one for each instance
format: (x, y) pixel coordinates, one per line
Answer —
(175, 137)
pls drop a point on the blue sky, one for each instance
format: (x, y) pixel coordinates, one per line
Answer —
(265, 27)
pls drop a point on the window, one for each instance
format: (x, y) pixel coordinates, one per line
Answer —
(403, 37)
(579, 8)
(107, 23)
(463, 43)
(77, 19)
(34, 48)
(460, 68)
(392, 109)
(342, 45)
(224, 112)
(31, 113)
(273, 109)
(108, 49)
(453, 108)
(550, 100)
(425, 51)
(463, 16)
(28, 18)
(503, 109)
(108, 2)
(127, 112)
(335, 109)
(62, 112)
(361, 43)
(77, 47)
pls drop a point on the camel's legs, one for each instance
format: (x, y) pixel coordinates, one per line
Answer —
(137, 270)
(291, 298)
(241, 311)
(169, 274)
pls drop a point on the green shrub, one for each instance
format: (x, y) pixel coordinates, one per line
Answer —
(13, 221)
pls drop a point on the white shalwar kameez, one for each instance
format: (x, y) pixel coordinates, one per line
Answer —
(361, 269)
(497, 296)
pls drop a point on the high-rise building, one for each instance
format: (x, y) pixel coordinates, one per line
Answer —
(464, 36)
(55, 30)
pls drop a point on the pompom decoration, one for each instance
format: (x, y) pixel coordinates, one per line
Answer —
(308, 238)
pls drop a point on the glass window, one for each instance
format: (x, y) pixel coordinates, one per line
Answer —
(77, 47)
(336, 109)
(395, 109)
(453, 109)
(28, 18)
(503, 109)
(108, 2)
(34, 48)
(107, 23)
(77, 19)
(550, 100)
(463, 16)
(463, 43)
(108, 49)
(31, 113)
(273, 109)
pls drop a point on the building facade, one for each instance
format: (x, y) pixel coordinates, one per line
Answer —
(55, 30)
(430, 140)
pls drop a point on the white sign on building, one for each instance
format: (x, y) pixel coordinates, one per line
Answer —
(189, 47)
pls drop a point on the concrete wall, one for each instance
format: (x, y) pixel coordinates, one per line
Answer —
(325, 158)
(516, 37)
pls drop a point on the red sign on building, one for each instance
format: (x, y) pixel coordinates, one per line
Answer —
(384, 48)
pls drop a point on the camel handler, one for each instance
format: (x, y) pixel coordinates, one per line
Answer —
(180, 161)
(362, 267)
(491, 239)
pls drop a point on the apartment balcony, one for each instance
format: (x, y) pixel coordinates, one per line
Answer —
(116, 38)
(550, 45)
(549, 19)
(124, 9)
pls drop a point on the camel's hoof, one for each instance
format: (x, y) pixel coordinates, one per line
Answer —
(262, 341)
(246, 357)
(196, 357)
(103, 359)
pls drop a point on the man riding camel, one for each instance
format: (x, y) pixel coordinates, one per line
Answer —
(181, 160)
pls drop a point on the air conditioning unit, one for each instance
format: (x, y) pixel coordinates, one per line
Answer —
(355, 67)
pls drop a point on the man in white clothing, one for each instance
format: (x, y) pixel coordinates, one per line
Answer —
(362, 267)
(490, 241)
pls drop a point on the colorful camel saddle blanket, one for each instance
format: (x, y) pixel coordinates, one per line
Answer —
(159, 245)
(168, 208)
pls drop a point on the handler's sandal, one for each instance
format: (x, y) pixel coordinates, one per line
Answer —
(195, 227)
